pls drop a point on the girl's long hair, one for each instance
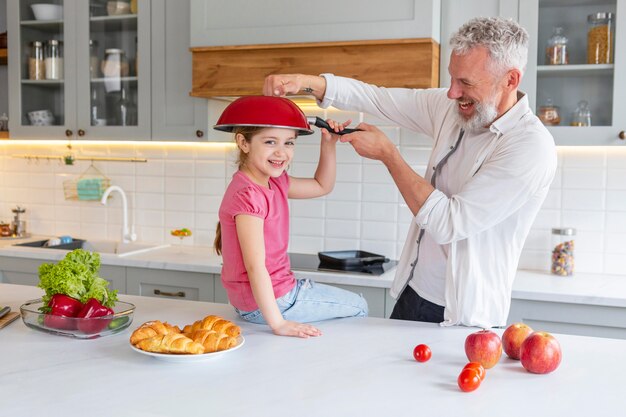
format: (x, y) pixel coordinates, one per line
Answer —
(247, 132)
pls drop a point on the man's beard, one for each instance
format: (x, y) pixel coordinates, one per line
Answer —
(484, 115)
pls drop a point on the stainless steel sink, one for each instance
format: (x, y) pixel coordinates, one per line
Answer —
(119, 248)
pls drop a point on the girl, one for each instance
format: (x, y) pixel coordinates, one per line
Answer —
(253, 232)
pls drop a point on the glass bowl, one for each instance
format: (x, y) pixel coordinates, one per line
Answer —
(79, 328)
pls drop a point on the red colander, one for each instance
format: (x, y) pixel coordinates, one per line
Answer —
(264, 111)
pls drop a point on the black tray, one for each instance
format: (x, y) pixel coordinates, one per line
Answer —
(346, 259)
(74, 244)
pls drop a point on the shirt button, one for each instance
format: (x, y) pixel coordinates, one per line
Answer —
(433, 168)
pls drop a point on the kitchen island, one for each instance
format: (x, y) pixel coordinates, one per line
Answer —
(360, 366)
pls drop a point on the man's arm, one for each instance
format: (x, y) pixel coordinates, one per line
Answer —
(282, 84)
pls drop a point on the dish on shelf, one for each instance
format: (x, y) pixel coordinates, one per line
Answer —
(172, 357)
(44, 11)
(116, 8)
(70, 326)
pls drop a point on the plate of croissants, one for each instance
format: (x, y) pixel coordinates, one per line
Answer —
(205, 339)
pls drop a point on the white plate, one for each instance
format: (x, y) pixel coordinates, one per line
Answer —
(170, 357)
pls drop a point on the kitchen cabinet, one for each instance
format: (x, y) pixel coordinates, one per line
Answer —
(566, 85)
(170, 284)
(578, 319)
(99, 87)
(25, 271)
(241, 22)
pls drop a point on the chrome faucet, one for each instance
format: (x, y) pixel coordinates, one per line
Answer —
(127, 235)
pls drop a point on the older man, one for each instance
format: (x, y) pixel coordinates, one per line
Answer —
(489, 172)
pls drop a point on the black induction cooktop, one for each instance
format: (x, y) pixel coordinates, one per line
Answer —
(308, 262)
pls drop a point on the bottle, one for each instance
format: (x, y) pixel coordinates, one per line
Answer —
(549, 114)
(54, 60)
(98, 117)
(582, 114)
(36, 63)
(126, 110)
(94, 61)
(556, 50)
(563, 252)
(4, 122)
(600, 38)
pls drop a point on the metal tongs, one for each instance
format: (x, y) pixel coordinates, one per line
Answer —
(319, 122)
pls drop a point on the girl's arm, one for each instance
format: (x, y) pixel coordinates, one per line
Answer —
(252, 243)
(323, 181)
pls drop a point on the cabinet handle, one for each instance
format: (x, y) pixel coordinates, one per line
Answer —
(170, 294)
(68, 133)
(81, 132)
(200, 133)
(622, 135)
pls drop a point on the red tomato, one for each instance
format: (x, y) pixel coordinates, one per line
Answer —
(422, 353)
(469, 380)
(478, 367)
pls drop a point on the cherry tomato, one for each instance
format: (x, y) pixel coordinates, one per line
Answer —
(422, 353)
(479, 368)
(469, 380)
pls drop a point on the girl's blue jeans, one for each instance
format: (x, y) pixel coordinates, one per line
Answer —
(309, 301)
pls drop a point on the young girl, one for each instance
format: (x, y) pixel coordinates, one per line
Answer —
(253, 232)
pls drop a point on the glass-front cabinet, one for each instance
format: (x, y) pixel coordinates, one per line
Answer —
(576, 67)
(82, 69)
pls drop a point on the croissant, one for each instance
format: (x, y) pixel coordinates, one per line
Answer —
(151, 329)
(213, 341)
(170, 343)
(216, 323)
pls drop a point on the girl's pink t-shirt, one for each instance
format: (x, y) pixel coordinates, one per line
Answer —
(270, 204)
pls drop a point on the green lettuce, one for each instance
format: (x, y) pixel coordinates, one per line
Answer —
(76, 275)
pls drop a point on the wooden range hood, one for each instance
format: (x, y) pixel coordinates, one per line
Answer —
(222, 71)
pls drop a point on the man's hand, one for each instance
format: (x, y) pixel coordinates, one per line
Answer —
(282, 84)
(371, 143)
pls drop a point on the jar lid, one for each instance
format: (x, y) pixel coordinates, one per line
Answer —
(36, 43)
(564, 231)
(53, 42)
(595, 17)
(114, 51)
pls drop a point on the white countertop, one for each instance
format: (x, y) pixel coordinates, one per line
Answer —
(360, 366)
(594, 289)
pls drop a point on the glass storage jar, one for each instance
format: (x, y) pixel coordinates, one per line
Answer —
(36, 63)
(54, 60)
(563, 252)
(600, 38)
(556, 49)
(94, 60)
(115, 64)
(582, 114)
(549, 114)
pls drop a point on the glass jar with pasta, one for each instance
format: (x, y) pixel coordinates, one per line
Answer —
(600, 40)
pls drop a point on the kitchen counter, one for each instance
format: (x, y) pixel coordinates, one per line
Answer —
(360, 366)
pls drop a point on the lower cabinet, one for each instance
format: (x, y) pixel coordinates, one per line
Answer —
(567, 318)
(194, 286)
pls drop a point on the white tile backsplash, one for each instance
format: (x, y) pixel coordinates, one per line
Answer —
(181, 185)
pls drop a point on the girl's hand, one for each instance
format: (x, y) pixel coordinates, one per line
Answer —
(337, 127)
(292, 328)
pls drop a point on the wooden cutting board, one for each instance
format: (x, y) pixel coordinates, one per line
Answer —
(9, 318)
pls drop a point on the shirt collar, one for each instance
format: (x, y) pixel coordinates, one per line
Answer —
(509, 120)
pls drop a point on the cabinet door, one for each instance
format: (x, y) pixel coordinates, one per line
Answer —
(175, 114)
(455, 13)
(375, 298)
(113, 71)
(170, 284)
(116, 276)
(20, 271)
(244, 22)
(42, 104)
(567, 85)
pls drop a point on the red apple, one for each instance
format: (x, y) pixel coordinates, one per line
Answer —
(484, 347)
(540, 353)
(513, 337)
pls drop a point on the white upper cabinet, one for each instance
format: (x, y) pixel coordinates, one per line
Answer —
(566, 85)
(244, 22)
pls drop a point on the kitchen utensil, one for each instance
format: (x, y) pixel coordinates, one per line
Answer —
(8, 318)
(47, 11)
(350, 259)
(171, 357)
(4, 310)
(18, 225)
(319, 122)
(263, 111)
(68, 326)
